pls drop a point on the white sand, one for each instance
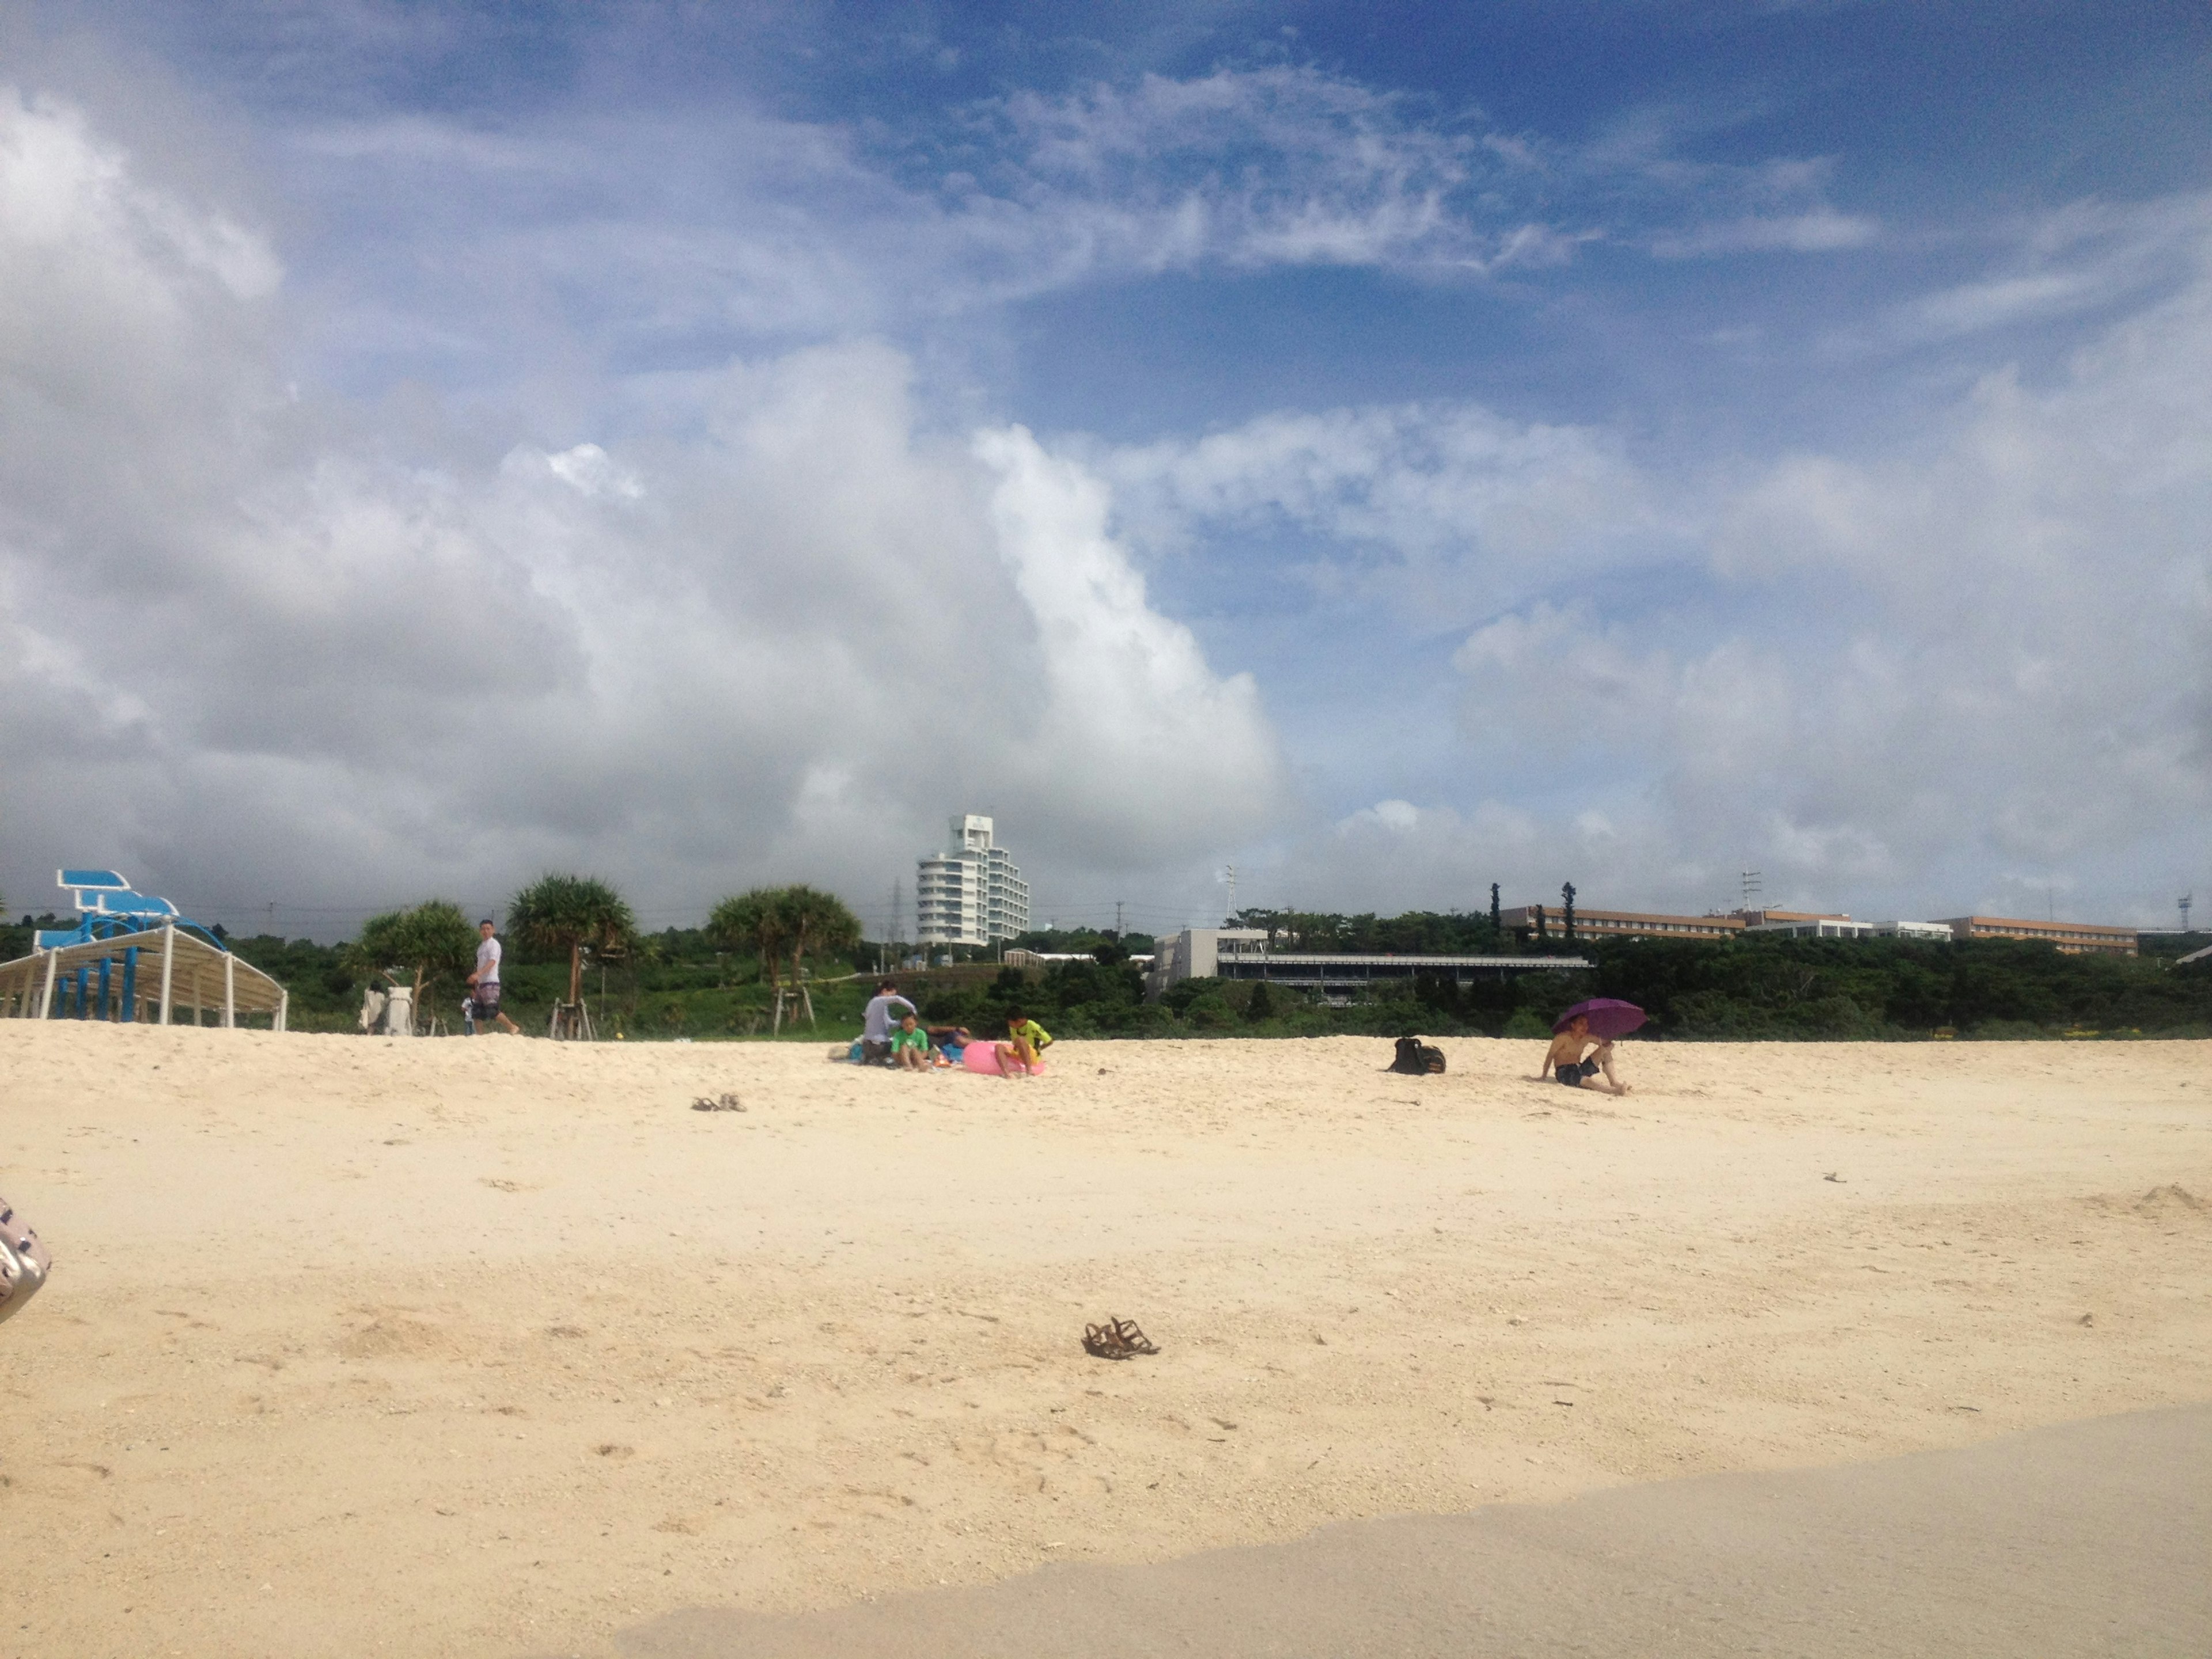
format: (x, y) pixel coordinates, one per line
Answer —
(496, 1347)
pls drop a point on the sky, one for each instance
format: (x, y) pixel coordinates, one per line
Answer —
(1382, 450)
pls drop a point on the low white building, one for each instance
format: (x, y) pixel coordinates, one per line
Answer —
(1818, 927)
(1934, 931)
(1335, 977)
(971, 893)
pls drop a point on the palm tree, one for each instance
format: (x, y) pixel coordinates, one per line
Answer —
(573, 914)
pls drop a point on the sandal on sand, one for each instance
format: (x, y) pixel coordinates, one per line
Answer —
(1118, 1339)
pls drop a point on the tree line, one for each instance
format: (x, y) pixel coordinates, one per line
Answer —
(431, 946)
(721, 979)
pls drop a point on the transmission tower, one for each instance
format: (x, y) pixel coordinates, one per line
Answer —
(1751, 888)
(1229, 875)
(2183, 904)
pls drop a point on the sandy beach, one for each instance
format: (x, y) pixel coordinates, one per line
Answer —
(497, 1348)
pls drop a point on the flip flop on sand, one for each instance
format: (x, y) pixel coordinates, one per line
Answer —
(1118, 1339)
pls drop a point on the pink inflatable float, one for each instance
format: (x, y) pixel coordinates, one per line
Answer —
(984, 1057)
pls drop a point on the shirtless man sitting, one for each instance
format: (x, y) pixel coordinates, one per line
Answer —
(1564, 1060)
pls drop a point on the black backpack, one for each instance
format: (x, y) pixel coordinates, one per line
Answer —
(1417, 1058)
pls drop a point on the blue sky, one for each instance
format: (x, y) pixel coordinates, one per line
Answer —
(1625, 443)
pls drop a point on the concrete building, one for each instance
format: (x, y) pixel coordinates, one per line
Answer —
(1793, 924)
(971, 893)
(1242, 953)
(1549, 921)
(1931, 931)
(1198, 952)
(2074, 937)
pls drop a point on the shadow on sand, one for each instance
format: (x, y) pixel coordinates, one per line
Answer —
(2090, 1538)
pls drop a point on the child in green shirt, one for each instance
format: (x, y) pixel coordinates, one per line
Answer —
(910, 1047)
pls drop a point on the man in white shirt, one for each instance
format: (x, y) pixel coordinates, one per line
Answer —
(876, 1023)
(483, 984)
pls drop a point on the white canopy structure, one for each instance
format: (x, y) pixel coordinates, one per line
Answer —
(150, 975)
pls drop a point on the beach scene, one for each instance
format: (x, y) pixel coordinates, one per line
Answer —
(961, 831)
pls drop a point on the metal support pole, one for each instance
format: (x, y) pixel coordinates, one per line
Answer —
(168, 968)
(104, 999)
(129, 983)
(46, 997)
(283, 1007)
(229, 991)
(83, 1001)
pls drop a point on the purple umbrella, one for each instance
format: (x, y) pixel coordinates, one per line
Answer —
(1608, 1016)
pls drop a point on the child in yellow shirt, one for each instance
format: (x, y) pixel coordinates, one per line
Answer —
(1025, 1047)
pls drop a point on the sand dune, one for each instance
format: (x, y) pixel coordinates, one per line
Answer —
(493, 1346)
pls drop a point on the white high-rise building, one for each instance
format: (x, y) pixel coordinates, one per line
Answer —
(970, 893)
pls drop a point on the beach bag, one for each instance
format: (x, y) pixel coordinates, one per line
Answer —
(1416, 1057)
(23, 1261)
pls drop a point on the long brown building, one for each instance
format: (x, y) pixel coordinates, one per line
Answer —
(2074, 937)
(1616, 924)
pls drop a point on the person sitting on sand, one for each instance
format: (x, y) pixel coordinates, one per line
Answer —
(1565, 1059)
(910, 1045)
(876, 1023)
(1025, 1047)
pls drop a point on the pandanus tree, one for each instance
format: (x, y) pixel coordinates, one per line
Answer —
(783, 923)
(573, 914)
(754, 921)
(432, 940)
(819, 921)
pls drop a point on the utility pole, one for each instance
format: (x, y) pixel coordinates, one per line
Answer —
(1117, 916)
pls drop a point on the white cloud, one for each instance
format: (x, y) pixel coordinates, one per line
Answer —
(255, 646)
(636, 232)
(1817, 230)
(1125, 696)
(1246, 168)
(1898, 679)
(1449, 508)
(590, 471)
(1988, 650)
(766, 615)
(2078, 259)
